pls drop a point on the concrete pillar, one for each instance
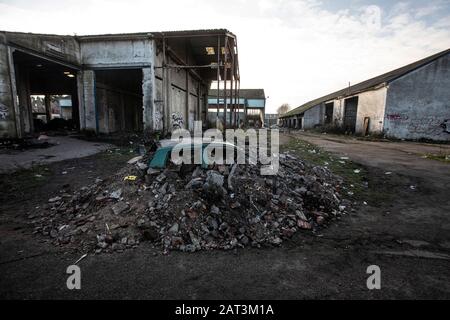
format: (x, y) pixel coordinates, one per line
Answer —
(48, 108)
(148, 89)
(89, 98)
(24, 102)
(81, 107)
(9, 119)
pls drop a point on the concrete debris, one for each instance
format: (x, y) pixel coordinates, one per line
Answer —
(135, 160)
(119, 207)
(191, 208)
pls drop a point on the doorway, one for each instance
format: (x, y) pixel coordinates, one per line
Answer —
(350, 113)
(47, 94)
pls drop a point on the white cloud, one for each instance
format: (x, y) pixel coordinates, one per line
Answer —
(295, 49)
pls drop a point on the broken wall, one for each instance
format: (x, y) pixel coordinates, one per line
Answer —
(418, 103)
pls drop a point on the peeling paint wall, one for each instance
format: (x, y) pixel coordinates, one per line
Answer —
(418, 103)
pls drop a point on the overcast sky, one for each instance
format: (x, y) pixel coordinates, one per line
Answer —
(297, 50)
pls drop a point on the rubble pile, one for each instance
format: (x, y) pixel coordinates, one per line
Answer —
(189, 208)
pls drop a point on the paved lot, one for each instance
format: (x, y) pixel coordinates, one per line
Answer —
(64, 148)
(408, 237)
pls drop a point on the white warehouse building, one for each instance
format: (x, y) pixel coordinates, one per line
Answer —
(412, 102)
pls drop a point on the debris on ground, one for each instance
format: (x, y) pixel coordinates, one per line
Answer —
(189, 208)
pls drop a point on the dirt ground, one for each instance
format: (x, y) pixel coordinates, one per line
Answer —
(401, 223)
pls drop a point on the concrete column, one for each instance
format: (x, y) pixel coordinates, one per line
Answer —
(90, 108)
(48, 108)
(81, 107)
(148, 89)
(10, 126)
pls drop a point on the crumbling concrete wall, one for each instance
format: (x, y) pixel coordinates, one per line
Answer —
(65, 48)
(418, 104)
(117, 53)
(7, 114)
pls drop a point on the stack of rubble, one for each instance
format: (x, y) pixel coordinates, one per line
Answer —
(188, 208)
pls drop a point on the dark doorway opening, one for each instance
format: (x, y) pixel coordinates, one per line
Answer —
(329, 112)
(119, 100)
(350, 113)
(47, 94)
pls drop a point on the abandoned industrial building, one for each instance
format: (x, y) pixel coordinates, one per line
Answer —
(250, 106)
(412, 102)
(115, 82)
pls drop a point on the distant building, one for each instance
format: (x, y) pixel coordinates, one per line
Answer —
(270, 119)
(412, 102)
(249, 107)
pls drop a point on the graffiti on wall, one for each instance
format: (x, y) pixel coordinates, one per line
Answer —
(3, 111)
(396, 117)
(446, 125)
(177, 121)
(428, 125)
(158, 120)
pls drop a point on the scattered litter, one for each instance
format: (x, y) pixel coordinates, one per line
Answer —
(43, 137)
(357, 170)
(134, 160)
(130, 178)
(388, 172)
(344, 158)
(81, 258)
(116, 194)
(54, 199)
(412, 187)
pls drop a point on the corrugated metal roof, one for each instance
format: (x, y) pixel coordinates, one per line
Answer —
(243, 93)
(368, 84)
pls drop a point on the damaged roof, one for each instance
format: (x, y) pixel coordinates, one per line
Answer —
(160, 34)
(243, 93)
(368, 84)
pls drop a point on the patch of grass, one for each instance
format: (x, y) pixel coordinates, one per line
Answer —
(358, 183)
(439, 157)
(119, 152)
(20, 182)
